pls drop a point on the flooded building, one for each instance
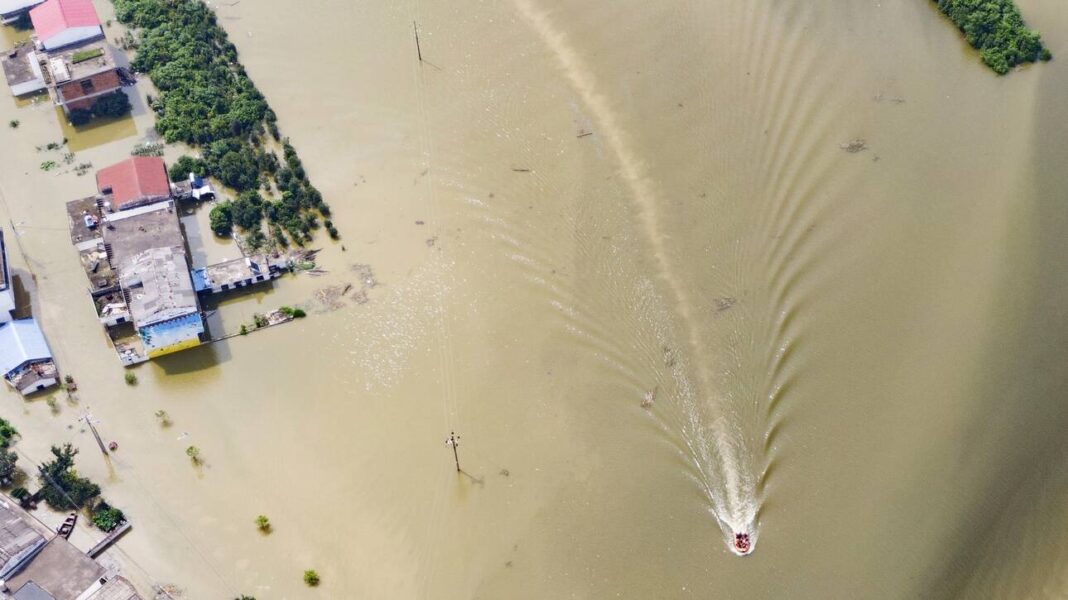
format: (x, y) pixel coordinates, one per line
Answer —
(61, 24)
(13, 10)
(23, 71)
(139, 276)
(237, 273)
(81, 75)
(25, 361)
(134, 182)
(39, 564)
(7, 291)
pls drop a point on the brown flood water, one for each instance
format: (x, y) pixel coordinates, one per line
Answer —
(856, 357)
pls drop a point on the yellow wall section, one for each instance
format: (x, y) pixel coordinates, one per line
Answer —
(182, 345)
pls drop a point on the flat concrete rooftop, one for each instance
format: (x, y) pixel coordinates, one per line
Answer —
(131, 232)
(71, 64)
(23, 70)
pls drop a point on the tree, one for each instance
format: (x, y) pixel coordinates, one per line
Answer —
(80, 116)
(112, 105)
(221, 219)
(185, 165)
(238, 170)
(311, 577)
(263, 523)
(61, 487)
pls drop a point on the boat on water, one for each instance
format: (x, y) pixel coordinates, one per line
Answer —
(742, 544)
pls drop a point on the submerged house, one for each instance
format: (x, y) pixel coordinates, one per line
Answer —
(26, 363)
(65, 23)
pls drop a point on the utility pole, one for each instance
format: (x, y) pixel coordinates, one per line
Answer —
(453, 442)
(88, 418)
(418, 50)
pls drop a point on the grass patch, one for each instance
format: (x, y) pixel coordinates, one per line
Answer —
(84, 55)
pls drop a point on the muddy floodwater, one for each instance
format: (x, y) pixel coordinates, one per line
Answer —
(672, 270)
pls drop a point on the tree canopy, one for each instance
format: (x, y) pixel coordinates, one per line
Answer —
(208, 101)
(997, 30)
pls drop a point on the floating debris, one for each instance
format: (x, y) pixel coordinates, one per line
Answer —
(366, 275)
(725, 303)
(854, 146)
(650, 397)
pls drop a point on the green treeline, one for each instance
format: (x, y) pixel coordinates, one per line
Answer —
(996, 29)
(208, 101)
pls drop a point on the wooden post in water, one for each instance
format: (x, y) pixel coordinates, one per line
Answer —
(454, 441)
(418, 50)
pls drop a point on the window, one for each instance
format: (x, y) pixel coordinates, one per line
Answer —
(87, 86)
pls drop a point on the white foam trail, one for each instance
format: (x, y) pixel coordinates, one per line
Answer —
(736, 508)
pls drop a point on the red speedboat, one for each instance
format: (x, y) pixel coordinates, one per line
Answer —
(742, 544)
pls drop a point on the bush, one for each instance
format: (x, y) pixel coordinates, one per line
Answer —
(311, 578)
(130, 377)
(13, 123)
(7, 465)
(112, 105)
(107, 517)
(194, 454)
(221, 219)
(7, 433)
(263, 523)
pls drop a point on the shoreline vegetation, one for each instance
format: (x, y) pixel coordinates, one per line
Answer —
(996, 29)
(207, 100)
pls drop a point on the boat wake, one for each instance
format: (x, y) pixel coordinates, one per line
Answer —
(714, 447)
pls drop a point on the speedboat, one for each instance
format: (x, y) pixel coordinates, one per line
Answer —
(742, 544)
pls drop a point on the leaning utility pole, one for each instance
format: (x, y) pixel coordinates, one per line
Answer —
(418, 50)
(453, 442)
(88, 418)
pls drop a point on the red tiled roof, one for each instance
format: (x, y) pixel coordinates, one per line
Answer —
(54, 16)
(133, 180)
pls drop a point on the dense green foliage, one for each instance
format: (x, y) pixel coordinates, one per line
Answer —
(7, 433)
(107, 517)
(115, 104)
(109, 106)
(61, 487)
(7, 466)
(208, 101)
(185, 165)
(996, 29)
